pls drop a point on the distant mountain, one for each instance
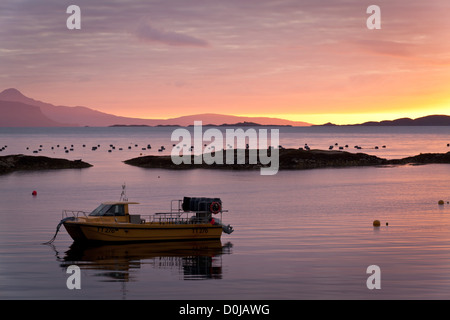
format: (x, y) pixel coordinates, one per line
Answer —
(17, 114)
(72, 116)
(433, 120)
(83, 116)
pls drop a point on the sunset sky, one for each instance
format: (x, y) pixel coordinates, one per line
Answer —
(305, 60)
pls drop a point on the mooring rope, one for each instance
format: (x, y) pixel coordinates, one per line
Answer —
(59, 226)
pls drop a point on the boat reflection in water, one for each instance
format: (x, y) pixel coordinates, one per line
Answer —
(196, 260)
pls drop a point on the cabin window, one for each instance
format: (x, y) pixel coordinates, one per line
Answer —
(109, 210)
(116, 210)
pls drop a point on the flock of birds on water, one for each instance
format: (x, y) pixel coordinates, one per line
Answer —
(191, 148)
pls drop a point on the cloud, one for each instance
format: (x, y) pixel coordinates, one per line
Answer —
(148, 33)
(389, 48)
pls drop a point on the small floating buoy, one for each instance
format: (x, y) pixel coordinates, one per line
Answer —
(441, 202)
(34, 193)
(387, 224)
(376, 223)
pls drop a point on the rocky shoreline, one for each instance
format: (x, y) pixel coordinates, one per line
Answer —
(294, 159)
(18, 162)
(289, 159)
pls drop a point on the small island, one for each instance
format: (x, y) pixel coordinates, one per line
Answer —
(18, 162)
(237, 124)
(296, 159)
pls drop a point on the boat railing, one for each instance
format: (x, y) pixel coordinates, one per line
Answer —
(162, 219)
(80, 213)
(73, 213)
(178, 217)
(178, 208)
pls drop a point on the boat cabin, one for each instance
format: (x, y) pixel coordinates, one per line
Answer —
(116, 209)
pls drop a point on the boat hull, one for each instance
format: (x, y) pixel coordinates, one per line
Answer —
(146, 232)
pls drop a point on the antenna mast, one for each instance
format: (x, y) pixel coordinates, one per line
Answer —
(123, 195)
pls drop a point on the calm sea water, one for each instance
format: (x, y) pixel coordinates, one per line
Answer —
(298, 234)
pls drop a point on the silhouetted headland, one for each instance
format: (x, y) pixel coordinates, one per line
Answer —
(424, 158)
(17, 162)
(432, 120)
(295, 159)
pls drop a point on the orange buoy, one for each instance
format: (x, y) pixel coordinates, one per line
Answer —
(376, 223)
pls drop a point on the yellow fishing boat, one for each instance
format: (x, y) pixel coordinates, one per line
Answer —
(188, 219)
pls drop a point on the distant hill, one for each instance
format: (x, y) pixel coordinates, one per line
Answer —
(433, 120)
(220, 119)
(83, 116)
(17, 114)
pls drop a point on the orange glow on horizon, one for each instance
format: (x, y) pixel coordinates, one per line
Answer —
(355, 118)
(349, 116)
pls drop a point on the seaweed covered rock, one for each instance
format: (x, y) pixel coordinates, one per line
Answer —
(17, 162)
(293, 159)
